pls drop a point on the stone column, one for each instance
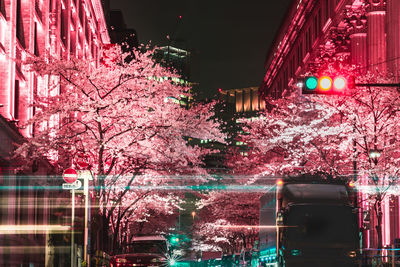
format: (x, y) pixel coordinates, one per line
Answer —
(359, 50)
(376, 41)
(393, 37)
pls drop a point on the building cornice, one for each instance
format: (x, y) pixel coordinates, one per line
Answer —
(294, 21)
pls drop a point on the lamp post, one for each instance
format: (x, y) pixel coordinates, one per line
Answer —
(374, 155)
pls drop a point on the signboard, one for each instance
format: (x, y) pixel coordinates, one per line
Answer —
(70, 175)
(76, 185)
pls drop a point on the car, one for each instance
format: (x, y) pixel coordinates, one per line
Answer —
(149, 251)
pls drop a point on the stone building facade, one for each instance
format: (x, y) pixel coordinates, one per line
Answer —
(31, 194)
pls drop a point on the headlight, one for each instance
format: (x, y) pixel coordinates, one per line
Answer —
(352, 254)
(121, 260)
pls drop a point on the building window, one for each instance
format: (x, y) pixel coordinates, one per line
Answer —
(87, 31)
(82, 13)
(327, 10)
(2, 33)
(3, 8)
(38, 9)
(20, 25)
(73, 38)
(16, 100)
(299, 53)
(36, 48)
(292, 65)
(64, 26)
(285, 78)
(307, 43)
(316, 30)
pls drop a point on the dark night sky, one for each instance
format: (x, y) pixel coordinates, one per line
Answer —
(228, 39)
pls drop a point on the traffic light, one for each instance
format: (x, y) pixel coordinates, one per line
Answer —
(174, 240)
(328, 85)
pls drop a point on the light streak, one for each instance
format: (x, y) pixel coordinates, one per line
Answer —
(30, 249)
(33, 229)
(246, 188)
(252, 226)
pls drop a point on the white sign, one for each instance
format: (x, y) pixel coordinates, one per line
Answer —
(76, 185)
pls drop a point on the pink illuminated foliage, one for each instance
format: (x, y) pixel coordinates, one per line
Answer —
(123, 115)
(227, 221)
(331, 134)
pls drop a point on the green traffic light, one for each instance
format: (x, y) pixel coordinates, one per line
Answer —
(311, 83)
(174, 240)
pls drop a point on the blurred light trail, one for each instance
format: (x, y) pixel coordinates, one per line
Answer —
(252, 226)
(30, 249)
(252, 188)
(33, 229)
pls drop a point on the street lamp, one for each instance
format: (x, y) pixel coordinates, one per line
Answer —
(374, 154)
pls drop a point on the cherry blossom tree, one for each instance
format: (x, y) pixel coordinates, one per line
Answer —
(123, 114)
(334, 135)
(228, 221)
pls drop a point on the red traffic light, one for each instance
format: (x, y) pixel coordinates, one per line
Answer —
(334, 85)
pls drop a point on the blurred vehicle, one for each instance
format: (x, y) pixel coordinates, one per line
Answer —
(317, 224)
(143, 251)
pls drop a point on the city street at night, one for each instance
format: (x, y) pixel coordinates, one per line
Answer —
(190, 133)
